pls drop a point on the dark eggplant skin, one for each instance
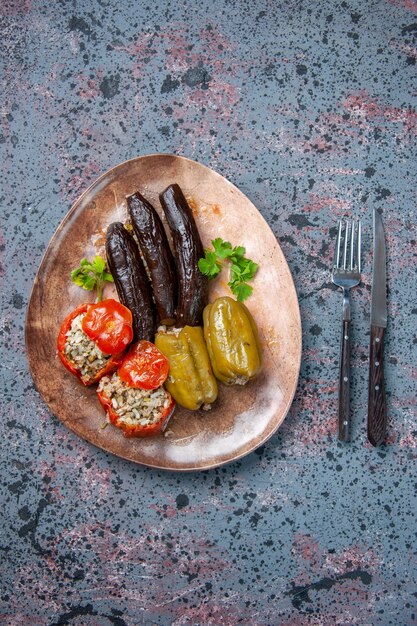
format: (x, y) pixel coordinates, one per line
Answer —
(130, 279)
(154, 245)
(188, 249)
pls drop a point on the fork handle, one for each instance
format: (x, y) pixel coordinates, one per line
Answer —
(344, 383)
(377, 408)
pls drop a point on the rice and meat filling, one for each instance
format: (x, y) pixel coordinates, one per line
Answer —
(83, 352)
(135, 407)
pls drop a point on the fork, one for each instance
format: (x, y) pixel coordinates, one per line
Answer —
(346, 274)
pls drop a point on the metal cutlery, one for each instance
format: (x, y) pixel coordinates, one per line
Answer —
(377, 410)
(346, 275)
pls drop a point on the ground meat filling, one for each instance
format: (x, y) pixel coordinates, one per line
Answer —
(83, 352)
(135, 407)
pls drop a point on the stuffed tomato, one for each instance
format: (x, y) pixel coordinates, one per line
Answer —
(137, 412)
(134, 398)
(93, 339)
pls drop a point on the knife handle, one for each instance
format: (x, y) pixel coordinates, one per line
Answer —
(377, 408)
(344, 383)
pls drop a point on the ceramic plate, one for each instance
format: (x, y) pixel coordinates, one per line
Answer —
(243, 417)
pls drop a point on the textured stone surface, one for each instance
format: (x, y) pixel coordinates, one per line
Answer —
(310, 109)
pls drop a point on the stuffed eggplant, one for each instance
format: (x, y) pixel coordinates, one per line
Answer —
(131, 280)
(155, 249)
(188, 249)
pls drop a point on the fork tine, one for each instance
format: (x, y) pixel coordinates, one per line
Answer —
(352, 240)
(345, 245)
(358, 253)
(359, 246)
(337, 246)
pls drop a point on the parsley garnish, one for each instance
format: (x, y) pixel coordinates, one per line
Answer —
(92, 275)
(242, 270)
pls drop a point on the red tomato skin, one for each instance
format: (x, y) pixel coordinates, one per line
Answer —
(137, 431)
(112, 364)
(144, 366)
(109, 325)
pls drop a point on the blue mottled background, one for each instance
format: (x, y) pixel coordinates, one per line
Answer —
(310, 108)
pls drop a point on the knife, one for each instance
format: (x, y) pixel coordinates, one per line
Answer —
(377, 408)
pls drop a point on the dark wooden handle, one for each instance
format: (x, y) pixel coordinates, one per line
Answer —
(377, 408)
(344, 383)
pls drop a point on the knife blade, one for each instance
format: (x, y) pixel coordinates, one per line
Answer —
(377, 408)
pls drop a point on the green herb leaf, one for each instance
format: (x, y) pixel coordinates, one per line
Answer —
(247, 268)
(76, 277)
(92, 276)
(223, 249)
(209, 266)
(238, 251)
(242, 291)
(242, 269)
(89, 283)
(99, 264)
